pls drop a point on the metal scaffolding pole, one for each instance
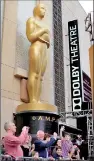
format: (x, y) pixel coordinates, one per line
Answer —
(89, 27)
(84, 113)
(90, 134)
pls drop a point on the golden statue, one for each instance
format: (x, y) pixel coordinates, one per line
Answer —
(39, 37)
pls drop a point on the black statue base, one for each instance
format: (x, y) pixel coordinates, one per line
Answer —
(36, 120)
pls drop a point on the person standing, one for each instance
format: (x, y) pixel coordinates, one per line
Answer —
(2, 146)
(67, 147)
(41, 146)
(12, 144)
(58, 153)
(76, 154)
(26, 147)
(58, 144)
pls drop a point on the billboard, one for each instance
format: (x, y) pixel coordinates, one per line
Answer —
(87, 93)
(75, 71)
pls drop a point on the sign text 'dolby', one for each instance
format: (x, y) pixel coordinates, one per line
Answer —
(76, 90)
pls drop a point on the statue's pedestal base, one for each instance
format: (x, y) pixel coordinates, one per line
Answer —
(38, 116)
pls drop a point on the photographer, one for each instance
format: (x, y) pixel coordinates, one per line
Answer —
(12, 144)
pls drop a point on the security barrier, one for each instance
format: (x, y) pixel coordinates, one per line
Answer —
(8, 158)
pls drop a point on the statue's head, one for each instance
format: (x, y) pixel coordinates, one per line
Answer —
(39, 11)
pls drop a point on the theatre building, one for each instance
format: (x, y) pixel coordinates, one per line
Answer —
(64, 83)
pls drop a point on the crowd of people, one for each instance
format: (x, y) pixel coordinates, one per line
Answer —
(45, 146)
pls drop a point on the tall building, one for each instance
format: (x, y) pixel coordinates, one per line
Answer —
(56, 88)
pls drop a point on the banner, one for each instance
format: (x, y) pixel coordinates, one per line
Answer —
(75, 71)
(87, 94)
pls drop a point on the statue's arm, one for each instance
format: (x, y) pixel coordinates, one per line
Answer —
(31, 33)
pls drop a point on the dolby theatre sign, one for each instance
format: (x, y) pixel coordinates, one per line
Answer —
(76, 90)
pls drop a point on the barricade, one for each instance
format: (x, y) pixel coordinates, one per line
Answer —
(8, 158)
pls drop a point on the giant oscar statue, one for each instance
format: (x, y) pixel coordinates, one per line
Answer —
(35, 114)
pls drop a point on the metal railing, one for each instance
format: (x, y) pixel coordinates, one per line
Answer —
(8, 158)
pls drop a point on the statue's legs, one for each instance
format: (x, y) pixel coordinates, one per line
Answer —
(37, 66)
(42, 69)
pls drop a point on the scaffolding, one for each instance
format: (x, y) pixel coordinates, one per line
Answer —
(90, 134)
(84, 113)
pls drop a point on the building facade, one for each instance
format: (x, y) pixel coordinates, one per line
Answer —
(56, 87)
